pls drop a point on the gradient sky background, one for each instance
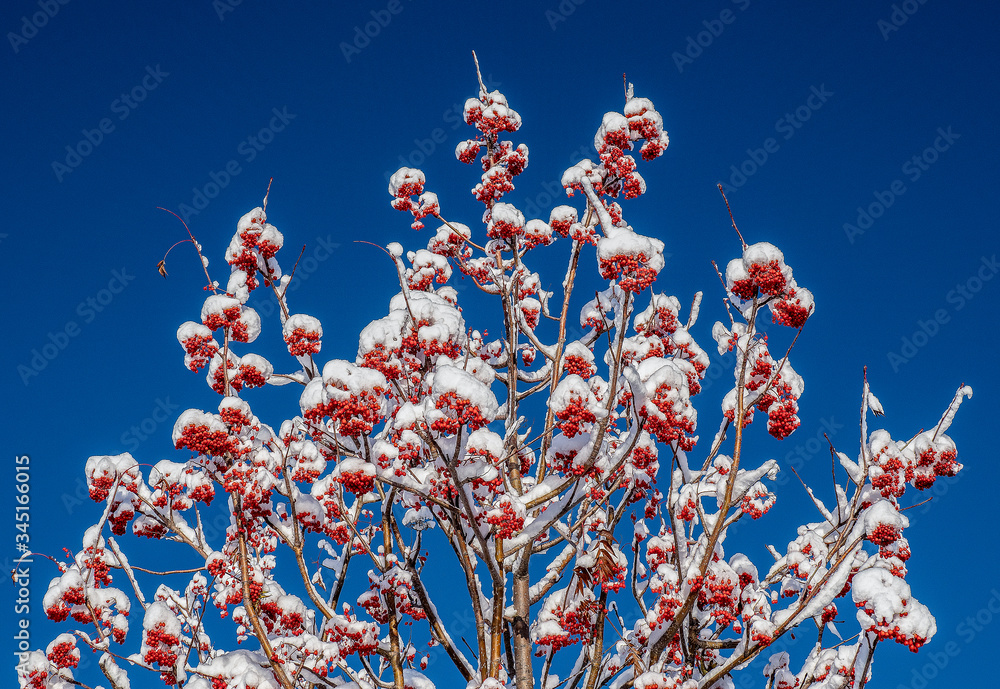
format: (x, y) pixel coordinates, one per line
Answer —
(889, 93)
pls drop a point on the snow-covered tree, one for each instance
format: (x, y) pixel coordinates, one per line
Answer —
(555, 468)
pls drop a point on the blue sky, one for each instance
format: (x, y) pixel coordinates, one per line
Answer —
(858, 137)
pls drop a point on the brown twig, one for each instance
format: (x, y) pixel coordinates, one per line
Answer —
(742, 241)
(162, 265)
(266, 194)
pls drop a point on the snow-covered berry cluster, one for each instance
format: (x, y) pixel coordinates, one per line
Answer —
(407, 183)
(501, 161)
(761, 275)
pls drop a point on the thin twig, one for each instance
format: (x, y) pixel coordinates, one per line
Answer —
(162, 265)
(479, 75)
(266, 193)
(731, 218)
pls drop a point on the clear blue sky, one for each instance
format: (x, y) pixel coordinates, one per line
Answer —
(808, 112)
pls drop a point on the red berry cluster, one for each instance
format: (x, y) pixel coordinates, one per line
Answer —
(883, 534)
(757, 502)
(491, 115)
(767, 278)
(577, 623)
(461, 412)
(406, 183)
(537, 233)
(120, 515)
(505, 229)
(532, 310)
(99, 487)
(236, 417)
(688, 511)
(254, 245)
(149, 528)
(672, 426)
(762, 273)
(199, 439)
(226, 319)
(219, 373)
(829, 613)
(64, 654)
(617, 134)
(422, 276)
(643, 456)
(584, 234)
(631, 271)
(95, 562)
(450, 241)
(245, 259)
(414, 344)
(251, 376)
(782, 419)
(884, 631)
(646, 122)
(663, 321)
(303, 343)
(778, 400)
(936, 460)
(161, 647)
(717, 595)
(280, 621)
(572, 416)
(353, 635)
(354, 415)
(579, 366)
(373, 604)
(407, 601)
(239, 331)
(508, 522)
(383, 361)
(199, 349)
(357, 482)
(890, 470)
(790, 311)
